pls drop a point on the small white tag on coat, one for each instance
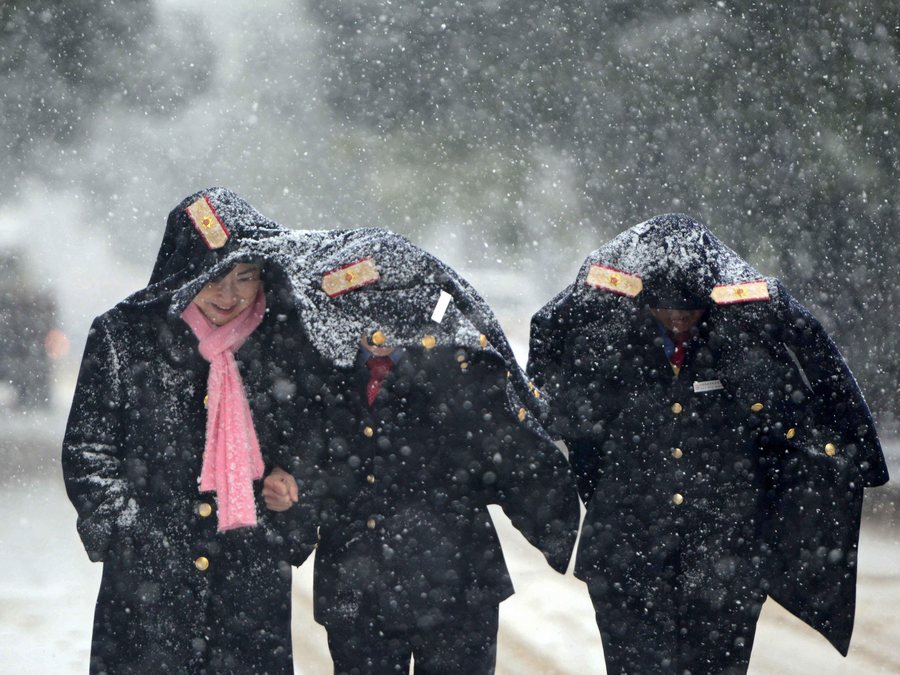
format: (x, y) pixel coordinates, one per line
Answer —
(708, 385)
(441, 307)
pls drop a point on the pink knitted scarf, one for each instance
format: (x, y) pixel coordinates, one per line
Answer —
(231, 460)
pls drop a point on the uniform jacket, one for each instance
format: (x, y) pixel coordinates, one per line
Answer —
(176, 595)
(770, 430)
(404, 526)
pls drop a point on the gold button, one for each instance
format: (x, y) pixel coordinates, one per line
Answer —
(677, 499)
(370, 523)
(677, 408)
(830, 449)
(677, 453)
(429, 341)
(464, 365)
(206, 401)
(461, 357)
(521, 414)
(756, 407)
(483, 341)
(202, 563)
(204, 510)
(368, 432)
(370, 478)
(378, 338)
(791, 433)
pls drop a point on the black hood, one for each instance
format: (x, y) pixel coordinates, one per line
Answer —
(192, 253)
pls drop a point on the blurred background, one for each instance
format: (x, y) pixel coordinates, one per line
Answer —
(508, 138)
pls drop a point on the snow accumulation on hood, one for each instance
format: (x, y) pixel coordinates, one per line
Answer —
(342, 283)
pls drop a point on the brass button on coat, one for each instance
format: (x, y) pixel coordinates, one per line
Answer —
(677, 453)
(204, 510)
(756, 407)
(378, 338)
(830, 449)
(429, 341)
(678, 499)
(368, 432)
(206, 401)
(677, 408)
(370, 478)
(370, 523)
(791, 433)
(202, 563)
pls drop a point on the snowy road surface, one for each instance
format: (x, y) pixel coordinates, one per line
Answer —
(48, 586)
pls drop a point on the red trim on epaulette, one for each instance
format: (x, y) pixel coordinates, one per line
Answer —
(344, 285)
(746, 291)
(613, 280)
(205, 231)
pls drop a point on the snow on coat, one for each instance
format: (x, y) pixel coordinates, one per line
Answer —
(794, 436)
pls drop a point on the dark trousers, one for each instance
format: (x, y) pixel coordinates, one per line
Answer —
(463, 645)
(677, 634)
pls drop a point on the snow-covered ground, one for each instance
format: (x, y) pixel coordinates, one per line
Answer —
(48, 586)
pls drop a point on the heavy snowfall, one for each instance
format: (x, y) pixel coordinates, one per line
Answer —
(509, 139)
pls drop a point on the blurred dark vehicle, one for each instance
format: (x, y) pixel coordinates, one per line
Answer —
(29, 338)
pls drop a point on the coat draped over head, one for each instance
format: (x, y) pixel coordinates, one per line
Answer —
(176, 594)
(794, 396)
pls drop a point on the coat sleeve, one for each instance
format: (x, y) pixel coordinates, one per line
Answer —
(833, 410)
(533, 482)
(92, 454)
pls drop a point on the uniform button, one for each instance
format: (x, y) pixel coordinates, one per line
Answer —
(677, 408)
(464, 365)
(368, 432)
(378, 338)
(204, 510)
(370, 478)
(429, 341)
(483, 341)
(460, 357)
(791, 433)
(206, 401)
(370, 523)
(756, 407)
(678, 499)
(677, 453)
(521, 414)
(830, 449)
(202, 563)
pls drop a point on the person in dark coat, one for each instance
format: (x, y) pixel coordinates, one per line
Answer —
(423, 429)
(196, 578)
(720, 445)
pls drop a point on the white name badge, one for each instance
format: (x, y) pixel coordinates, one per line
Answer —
(441, 307)
(708, 385)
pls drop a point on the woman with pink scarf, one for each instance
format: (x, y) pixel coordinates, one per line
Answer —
(190, 392)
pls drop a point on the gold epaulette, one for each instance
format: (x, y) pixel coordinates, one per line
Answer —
(748, 291)
(349, 277)
(208, 224)
(616, 281)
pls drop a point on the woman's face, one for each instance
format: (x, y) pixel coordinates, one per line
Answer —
(225, 298)
(677, 320)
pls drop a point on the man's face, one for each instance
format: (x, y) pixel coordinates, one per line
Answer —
(224, 299)
(677, 320)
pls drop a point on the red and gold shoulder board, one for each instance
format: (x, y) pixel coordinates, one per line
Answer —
(208, 224)
(748, 291)
(349, 277)
(616, 281)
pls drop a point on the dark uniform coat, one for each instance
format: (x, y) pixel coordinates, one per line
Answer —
(176, 595)
(742, 475)
(406, 539)
(405, 532)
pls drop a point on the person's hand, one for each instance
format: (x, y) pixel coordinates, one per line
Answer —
(280, 490)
